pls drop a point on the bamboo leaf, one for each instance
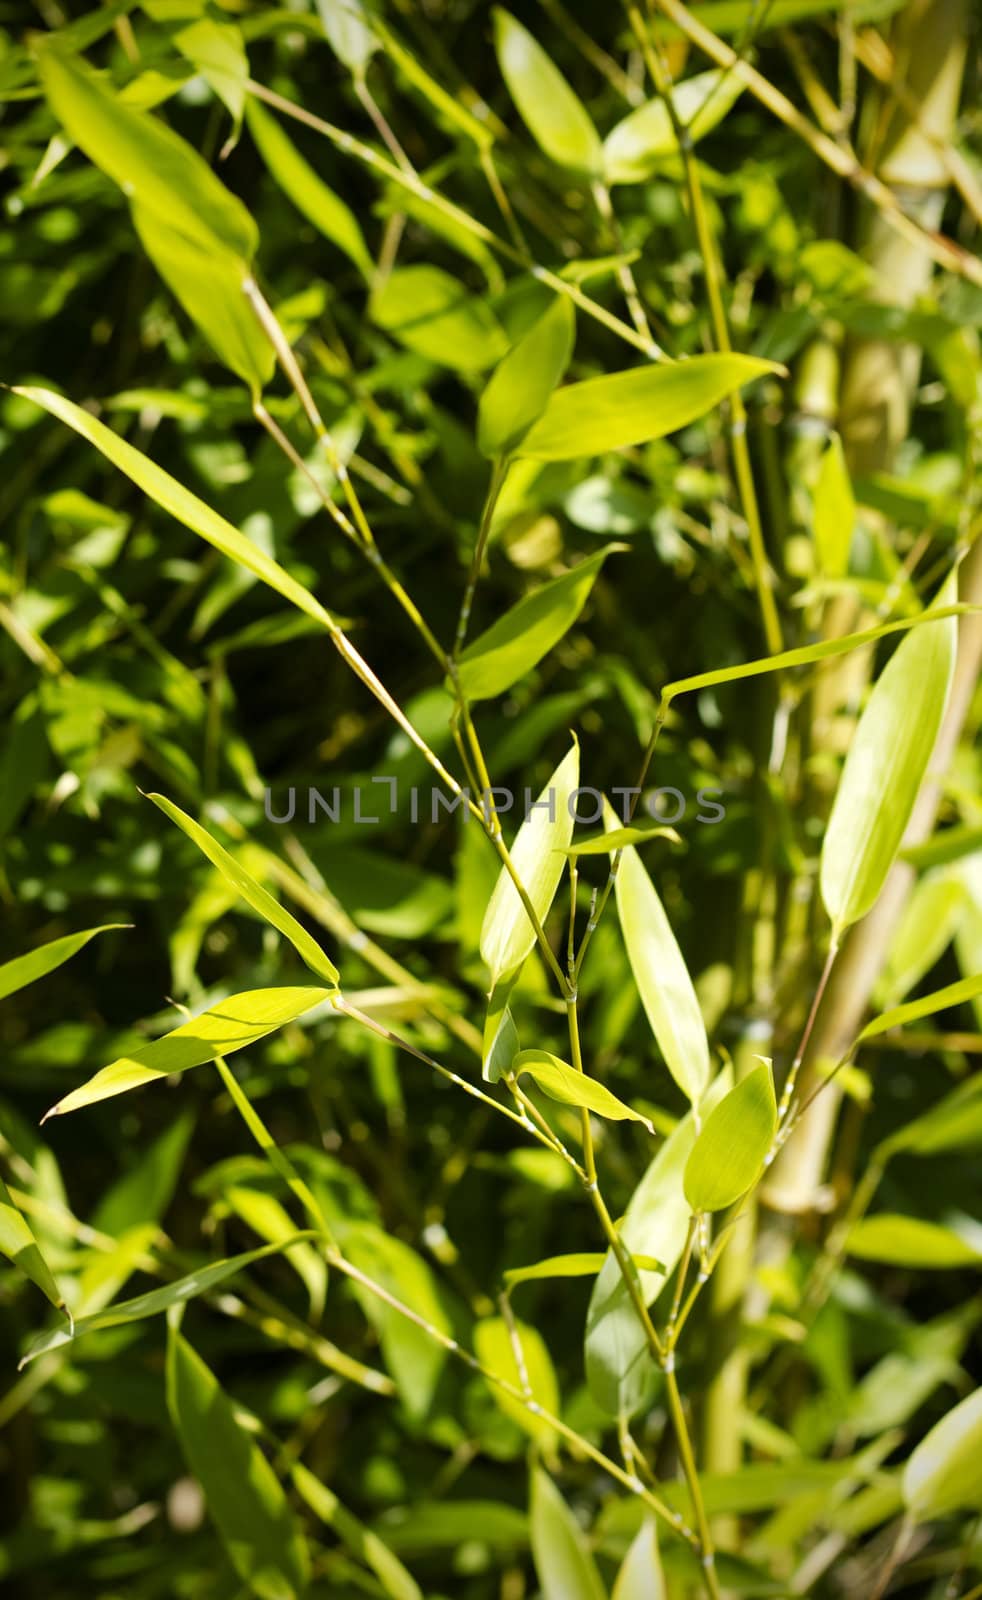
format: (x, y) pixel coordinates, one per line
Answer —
(955, 1123)
(536, 1377)
(349, 33)
(518, 390)
(507, 934)
(639, 145)
(361, 1541)
(500, 1042)
(414, 1358)
(252, 891)
(944, 1473)
(514, 644)
(216, 49)
(883, 771)
(641, 1576)
(625, 408)
(833, 512)
(434, 314)
(264, 1214)
(563, 1563)
(230, 1025)
(954, 994)
(617, 839)
(910, 1242)
(928, 923)
(308, 192)
(245, 1498)
(17, 974)
(555, 117)
(180, 502)
(660, 972)
(562, 1082)
(728, 1155)
(572, 1266)
(18, 1244)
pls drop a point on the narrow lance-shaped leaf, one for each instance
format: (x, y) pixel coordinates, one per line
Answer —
(494, 1348)
(944, 1473)
(514, 644)
(566, 1569)
(218, 52)
(640, 143)
(955, 1123)
(507, 934)
(581, 1265)
(954, 994)
(17, 974)
(436, 315)
(19, 1245)
(518, 390)
(641, 1576)
(555, 117)
(660, 972)
(252, 891)
(361, 1541)
(884, 768)
(728, 1155)
(910, 1242)
(229, 1025)
(244, 1496)
(562, 1082)
(349, 32)
(619, 838)
(833, 512)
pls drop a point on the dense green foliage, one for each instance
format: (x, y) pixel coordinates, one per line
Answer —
(424, 395)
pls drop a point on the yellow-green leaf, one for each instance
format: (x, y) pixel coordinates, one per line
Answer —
(180, 502)
(562, 1082)
(514, 644)
(944, 1473)
(555, 117)
(625, 408)
(955, 1123)
(361, 1541)
(619, 838)
(263, 1213)
(19, 1245)
(17, 974)
(495, 1351)
(244, 1496)
(581, 1265)
(414, 1358)
(434, 314)
(519, 388)
(565, 1568)
(229, 1025)
(833, 512)
(507, 934)
(349, 33)
(252, 891)
(639, 144)
(218, 52)
(660, 972)
(728, 1155)
(641, 1576)
(308, 192)
(910, 1242)
(953, 994)
(884, 768)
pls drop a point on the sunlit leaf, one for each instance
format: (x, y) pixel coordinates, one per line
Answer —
(413, 1356)
(638, 145)
(437, 316)
(944, 1473)
(571, 1266)
(927, 925)
(536, 1377)
(834, 512)
(555, 117)
(19, 1245)
(566, 1570)
(217, 50)
(728, 1155)
(264, 1215)
(349, 32)
(641, 1576)
(562, 1082)
(361, 1541)
(17, 974)
(910, 1242)
(308, 192)
(519, 388)
(619, 838)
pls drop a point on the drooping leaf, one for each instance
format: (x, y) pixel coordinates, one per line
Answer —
(264, 1215)
(555, 117)
(660, 972)
(944, 1473)
(518, 390)
(619, 838)
(537, 1377)
(244, 1496)
(728, 1155)
(624, 408)
(884, 768)
(361, 1541)
(413, 1356)
(219, 54)
(308, 192)
(833, 512)
(349, 33)
(641, 1576)
(910, 1242)
(507, 934)
(229, 1025)
(566, 1570)
(18, 1244)
(639, 144)
(17, 974)
(252, 891)
(434, 314)
(572, 1266)
(562, 1082)
(156, 1301)
(514, 644)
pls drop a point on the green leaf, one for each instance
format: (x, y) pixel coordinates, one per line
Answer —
(208, 281)
(19, 1245)
(619, 838)
(252, 891)
(218, 52)
(349, 33)
(625, 408)
(434, 314)
(571, 1266)
(201, 1281)
(500, 1043)
(180, 502)
(638, 146)
(909, 1242)
(884, 768)
(264, 1214)
(519, 388)
(728, 1155)
(245, 1498)
(954, 994)
(514, 644)
(955, 1123)
(17, 974)
(562, 1082)
(536, 1377)
(927, 925)
(641, 1576)
(660, 972)
(555, 117)
(148, 161)
(412, 1355)
(833, 512)
(230, 1025)
(944, 1473)
(507, 934)
(308, 192)
(361, 1541)
(563, 1563)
